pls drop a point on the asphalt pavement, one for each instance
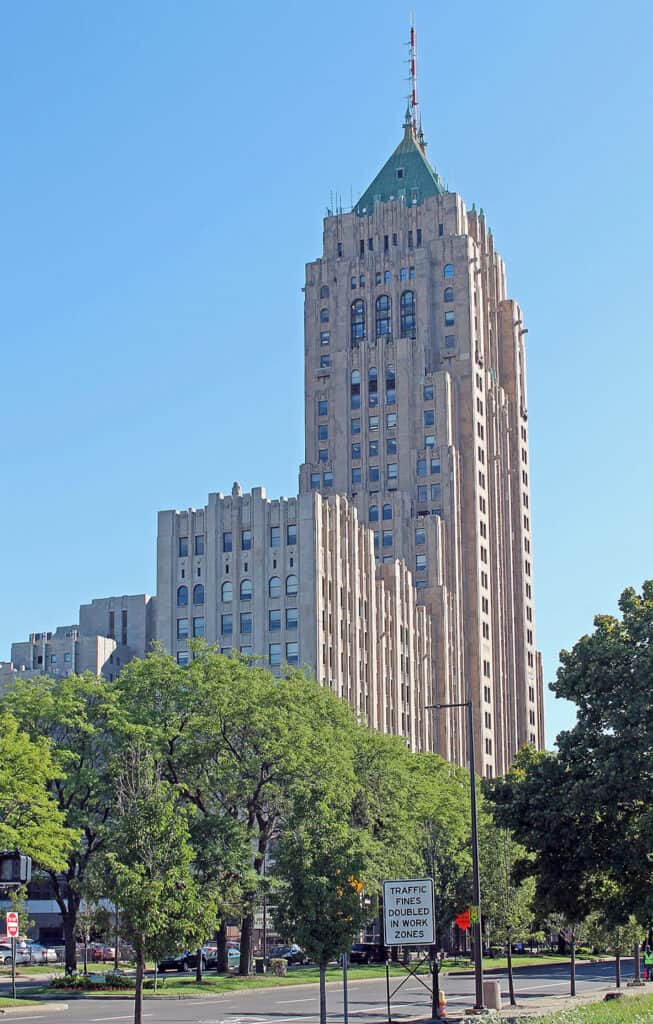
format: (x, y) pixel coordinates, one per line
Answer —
(544, 989)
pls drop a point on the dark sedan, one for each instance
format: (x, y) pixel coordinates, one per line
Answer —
(186, 961)
(366, 953)
(293, 954)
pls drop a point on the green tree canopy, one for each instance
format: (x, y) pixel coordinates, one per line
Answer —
(30, 819)
(586, 811)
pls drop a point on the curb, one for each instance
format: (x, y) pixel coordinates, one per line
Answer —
(27, 1010)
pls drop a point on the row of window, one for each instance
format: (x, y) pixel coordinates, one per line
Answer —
(198, 595)
(373, 422)
(198, 545)
(383, 317)
(246, 623)
(422, 465)
(373, 387)
(423, 493)
(373, 448)
(374, 473)
(274, 653)
(246, 538)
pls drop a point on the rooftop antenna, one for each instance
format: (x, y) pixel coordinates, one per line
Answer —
(412, 65)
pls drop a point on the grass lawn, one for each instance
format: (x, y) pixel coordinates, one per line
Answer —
(19, 1001)
(628, 1010)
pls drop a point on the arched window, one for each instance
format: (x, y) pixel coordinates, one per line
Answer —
(374, 513)
(292, 585)
(383, 316)
(355, 389)
(274, 586)
(387, 511)
(324, 291)
(448, 294)
(246, 590)
(448, 270)
(373, 386)
(407, 317)
(227, 592)
(390, 385)
(357, 321)
(182, 596)
(324, 315)
(198, 593)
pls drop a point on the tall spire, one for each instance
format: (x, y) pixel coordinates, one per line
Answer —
(412, 77)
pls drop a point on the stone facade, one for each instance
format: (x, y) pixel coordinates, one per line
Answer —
(111, 631)
(416, 408)
(293, 581)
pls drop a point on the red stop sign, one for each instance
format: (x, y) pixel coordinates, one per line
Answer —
(12, 924)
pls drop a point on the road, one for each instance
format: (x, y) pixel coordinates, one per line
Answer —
(299, 1004)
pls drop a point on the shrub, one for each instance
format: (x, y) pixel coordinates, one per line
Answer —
(279, 966)
(114, 980)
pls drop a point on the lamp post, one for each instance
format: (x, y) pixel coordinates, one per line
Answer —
(476, 875)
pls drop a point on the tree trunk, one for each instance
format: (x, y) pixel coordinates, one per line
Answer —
(323, 1004)
(572, 988)
(221, 952)
(198, 967)
(246, 931)
(138, 995)
(69, 928)
(636, 958)
(511, 980)
(617, 970)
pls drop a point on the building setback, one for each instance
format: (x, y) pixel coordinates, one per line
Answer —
(294, 581)
(416, 409)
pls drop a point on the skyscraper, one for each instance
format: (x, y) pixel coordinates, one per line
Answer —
(416, 408)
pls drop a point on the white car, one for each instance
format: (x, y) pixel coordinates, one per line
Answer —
(6, 955)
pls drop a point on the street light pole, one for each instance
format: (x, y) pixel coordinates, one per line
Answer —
(476, 874)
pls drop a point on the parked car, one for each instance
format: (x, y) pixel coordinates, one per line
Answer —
(39, 954)
(293, 954)
(6, 955)
(366, 953)
(100, 953)
(233, 957)
(186, 961)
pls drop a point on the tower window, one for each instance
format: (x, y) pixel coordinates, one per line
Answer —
(372, 386)
(448, 294)
(387, 511)
(322, 407)
(357, 321)
(227, 592)
(324, 291)
(374, 514)
(182, 596)
(246, 590)
(198, 593)
(274, 586)
(449, 318)
(383, 314)
(355, 389)
(407, 315)
(448, 269)
(324, 315)
(390, 392)
(400, 172)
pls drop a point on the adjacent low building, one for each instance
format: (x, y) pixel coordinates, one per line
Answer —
(294, 581)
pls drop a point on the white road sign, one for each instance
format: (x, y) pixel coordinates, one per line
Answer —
(408, 912)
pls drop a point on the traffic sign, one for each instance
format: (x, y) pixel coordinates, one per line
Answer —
(12, 924)
(408, 912)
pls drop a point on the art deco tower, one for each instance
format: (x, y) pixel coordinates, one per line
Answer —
(416, 408)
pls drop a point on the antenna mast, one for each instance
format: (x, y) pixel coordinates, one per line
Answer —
(412, 64)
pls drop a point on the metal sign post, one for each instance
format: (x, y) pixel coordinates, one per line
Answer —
(408, 920)
(345, 992)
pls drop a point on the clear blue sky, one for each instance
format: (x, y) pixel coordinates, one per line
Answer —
(165, 171)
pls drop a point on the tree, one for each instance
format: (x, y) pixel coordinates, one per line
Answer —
(507, 904)
(236, 742)
(585, 811)
(439, 798)
(30, 819)
(321, 863)
(147, 867)
(72, 714)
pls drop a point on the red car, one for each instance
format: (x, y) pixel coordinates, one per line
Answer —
(100, 953)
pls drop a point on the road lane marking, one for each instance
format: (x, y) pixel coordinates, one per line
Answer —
(127, 1016)
(308, 999)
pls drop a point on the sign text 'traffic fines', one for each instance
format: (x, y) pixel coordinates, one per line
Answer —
(408, 912)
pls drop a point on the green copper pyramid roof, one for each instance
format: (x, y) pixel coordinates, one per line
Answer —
(407, 174)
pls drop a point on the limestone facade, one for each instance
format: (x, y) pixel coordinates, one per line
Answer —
(416, 408)
(293, 581)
